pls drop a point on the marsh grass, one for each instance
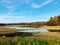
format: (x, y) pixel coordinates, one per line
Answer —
(28, 41)
(5, 30)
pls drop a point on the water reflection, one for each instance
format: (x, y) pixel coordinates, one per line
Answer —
(51, 30)
(24, 33)
(32, 31)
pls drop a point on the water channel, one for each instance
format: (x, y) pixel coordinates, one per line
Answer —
(32, 31)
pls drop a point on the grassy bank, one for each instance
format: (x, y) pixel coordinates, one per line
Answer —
(50, 27)
(41, 27)
(48, 35)
(28, 41)
(5, 30)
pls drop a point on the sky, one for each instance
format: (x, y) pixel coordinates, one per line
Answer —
(15, 11)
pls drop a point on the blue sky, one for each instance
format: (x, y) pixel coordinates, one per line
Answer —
(28, 10)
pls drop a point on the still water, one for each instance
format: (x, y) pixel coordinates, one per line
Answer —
(32, 31)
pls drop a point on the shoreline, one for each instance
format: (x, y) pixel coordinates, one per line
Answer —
(27, 28)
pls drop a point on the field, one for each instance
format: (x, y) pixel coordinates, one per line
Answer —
(45, 38)
(48, 35)
(50, 27)
(27, 41)
(5, 30)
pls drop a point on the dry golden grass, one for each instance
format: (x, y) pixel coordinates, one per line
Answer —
(50, 27)
(4, 30)
(48, 35)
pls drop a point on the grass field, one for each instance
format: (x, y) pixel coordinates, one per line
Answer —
(41, 27)
(48, 35)
(50, 27)
(5, 30)
(27, 41)
(45, 38)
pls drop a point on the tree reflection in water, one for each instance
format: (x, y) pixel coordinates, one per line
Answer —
(51, 30)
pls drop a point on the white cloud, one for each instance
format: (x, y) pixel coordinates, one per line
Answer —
(47, 2)
(10, 4)
(56, 2)
(16, 19)
(34, 5)
(12, 19)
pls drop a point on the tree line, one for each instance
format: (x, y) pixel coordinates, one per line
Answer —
(53, 21)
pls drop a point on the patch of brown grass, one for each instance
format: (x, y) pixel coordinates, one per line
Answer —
(4, 30)
(48, 35)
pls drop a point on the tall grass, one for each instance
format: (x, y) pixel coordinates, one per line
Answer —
(28, 41)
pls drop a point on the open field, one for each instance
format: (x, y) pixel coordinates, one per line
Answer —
(5, 30)
(9, 29)
(50, 27)
(41, 27)
(43, 38)
(27, 41)
(52, 35)
(48, 35)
